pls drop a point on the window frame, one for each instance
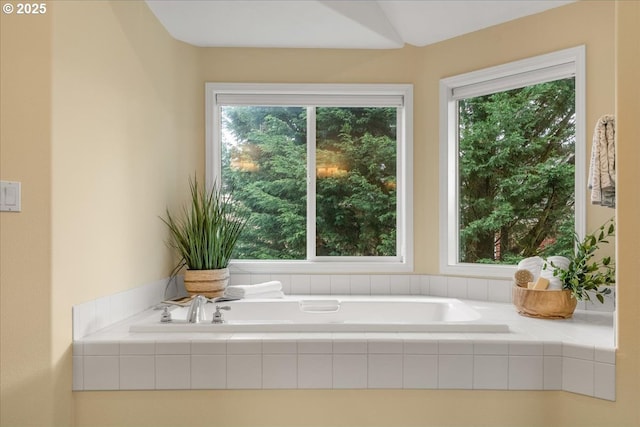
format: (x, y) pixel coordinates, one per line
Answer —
(512, 75)
(297, 93)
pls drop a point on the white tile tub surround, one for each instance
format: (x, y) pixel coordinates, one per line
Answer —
(477, 289)
(95, 315)
(535, 355)
(343, 361)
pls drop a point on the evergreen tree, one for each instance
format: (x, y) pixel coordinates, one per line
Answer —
(516, 166)
(264, 162)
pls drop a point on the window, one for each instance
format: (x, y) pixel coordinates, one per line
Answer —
(324, 170)
(512, 163)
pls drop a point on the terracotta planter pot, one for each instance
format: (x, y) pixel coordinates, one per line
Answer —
(554, 304)
(210, 283)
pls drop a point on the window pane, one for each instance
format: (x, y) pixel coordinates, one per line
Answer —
(356, 181)
(517, 173)
(264, 165)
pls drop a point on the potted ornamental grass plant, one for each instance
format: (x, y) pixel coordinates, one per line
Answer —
(582, 276)
(204, 235)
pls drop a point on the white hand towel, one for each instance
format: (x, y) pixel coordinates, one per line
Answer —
(243, 291)
(533, 264)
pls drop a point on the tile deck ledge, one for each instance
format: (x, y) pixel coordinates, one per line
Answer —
(575, 355)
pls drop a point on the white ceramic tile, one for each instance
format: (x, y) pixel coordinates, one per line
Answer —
(137, 373)
(103, 313)
(526, 372)
(320, 346)
(208, 371)
(101, 372)
(101, 348)
(499, 290)
(582, 305)
(137, 348)
(237, 279)
(490, 348)
(208, 347)
(279, 347)
(595, 305)
(575, 351)
(438, 286)
(552, 349)
(385, 370)
(605, 381)
(241, 346)
(320, 284)
(526, 349)
(420, 371)
(552, 373)
(315, 371)
(136, 301)
(349, 371)
(78, 348)
(279, 371)
(300, 284)
(83, 315)
(415, 283)
(340, 284)
(173, 347)
(455, 347)
(420, 346)
(244, 371)
(425, 285)
(345, 346)
(457, 287)
(490, 372)
(173, 372)
(604, 355)
(577, 376)
(360, 284)
(119, 304)
(380, 284)
(400, 285)
(260, 278)
(455, 371)
(389, 346)
(78, 373)
(477, 289)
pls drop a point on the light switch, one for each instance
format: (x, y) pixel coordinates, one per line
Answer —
(10, 196)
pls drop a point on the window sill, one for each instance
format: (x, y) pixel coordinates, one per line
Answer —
(478, 270)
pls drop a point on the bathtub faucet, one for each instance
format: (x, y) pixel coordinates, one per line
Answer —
(196, 310)
(217, 316)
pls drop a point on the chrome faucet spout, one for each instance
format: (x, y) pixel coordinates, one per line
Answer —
(196, 310)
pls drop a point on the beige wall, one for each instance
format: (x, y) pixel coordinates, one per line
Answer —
(25, 237)
(102, 122)
(119, 129)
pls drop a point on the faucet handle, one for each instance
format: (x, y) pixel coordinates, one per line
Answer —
(166, 316)
(217, 316)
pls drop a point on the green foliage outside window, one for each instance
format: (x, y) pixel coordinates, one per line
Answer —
(516, 173)
(265, 163)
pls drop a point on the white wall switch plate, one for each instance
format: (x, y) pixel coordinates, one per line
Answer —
(10, 197)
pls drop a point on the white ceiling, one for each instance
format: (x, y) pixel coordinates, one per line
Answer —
(363, 24)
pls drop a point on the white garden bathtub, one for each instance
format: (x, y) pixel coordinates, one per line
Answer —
(332, 314)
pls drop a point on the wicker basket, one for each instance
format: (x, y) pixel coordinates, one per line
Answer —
(210, 283)
(544, 304)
